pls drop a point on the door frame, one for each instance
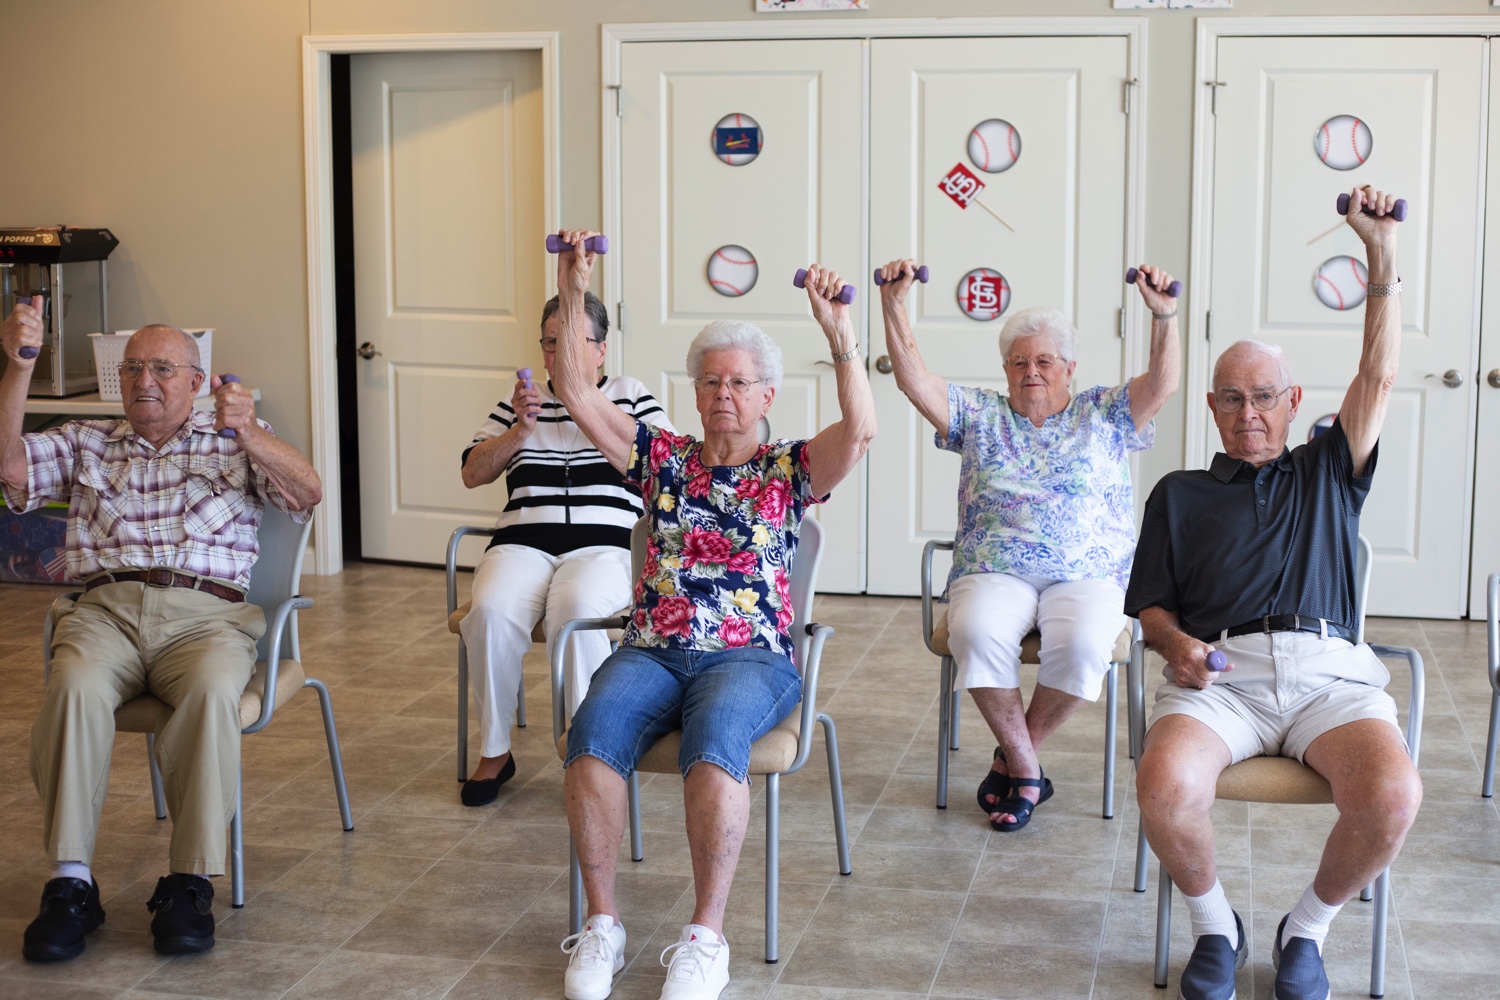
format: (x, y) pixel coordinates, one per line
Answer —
(317, 130)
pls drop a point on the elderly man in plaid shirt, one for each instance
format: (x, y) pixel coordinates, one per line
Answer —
(160, 490)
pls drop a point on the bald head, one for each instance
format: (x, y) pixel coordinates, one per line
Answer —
(1254, 355)
(159, 336)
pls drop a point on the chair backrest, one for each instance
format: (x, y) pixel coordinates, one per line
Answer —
(1361, 587)
(277, 575)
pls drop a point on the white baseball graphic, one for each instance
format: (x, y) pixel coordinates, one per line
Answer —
(736, 121)
(983, 294)
(1341, 282)
(994, 145)
(1343, 142)
(732, 270)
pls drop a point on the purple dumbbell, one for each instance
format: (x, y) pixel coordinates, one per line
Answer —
(1174, 289)
(30, 351)
(228, 432)
(524, 374)
(1398, 211)
(846, 294)
(598, 244)
(1217, 661)
(921, 275)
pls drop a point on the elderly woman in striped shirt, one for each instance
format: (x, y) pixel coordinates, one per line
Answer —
(561, 547)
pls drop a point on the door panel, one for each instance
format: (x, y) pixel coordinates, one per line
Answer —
(1273, 197)
(1064, 196)
(447, 172)
(1485, 530)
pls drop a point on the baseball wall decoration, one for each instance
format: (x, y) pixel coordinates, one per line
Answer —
(737, 139)
(994, 145)
(1343, 142)
(732, 270)
(1341, 282)
(983, 294)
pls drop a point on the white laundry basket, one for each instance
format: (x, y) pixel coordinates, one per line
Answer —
(109, 351)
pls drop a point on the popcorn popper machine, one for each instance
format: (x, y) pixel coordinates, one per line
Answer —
(65, 266)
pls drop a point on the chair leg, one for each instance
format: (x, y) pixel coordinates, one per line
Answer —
(463, 711)
(1112, 705)
(521, 705)
(335, 758)
(1377, 948)
(955, 701)
(637, 852)
(575, 890)
(1140, 856)
(945, 722)
(237, 847)
(158, 799)
(1367, 893)
(1163, 927)
(1488, 788)
(773, 861)
(836, 786)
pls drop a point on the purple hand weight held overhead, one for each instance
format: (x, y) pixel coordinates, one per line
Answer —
(1217, 661)
(1398, 210)
(1174, 289)
(30, 350)
(846, 294)
(921, 275)
(598, 244)
(228, 432)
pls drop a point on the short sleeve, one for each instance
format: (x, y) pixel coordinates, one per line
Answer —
(1337, 461)
(1152, 582)
(964, 402)
(50, 460)
(1114, 412)
(801, 475)
(498, 422)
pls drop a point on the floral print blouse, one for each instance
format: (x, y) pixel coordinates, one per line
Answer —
(1052, 501)
(721, 544)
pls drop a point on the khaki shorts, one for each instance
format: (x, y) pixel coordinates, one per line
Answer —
(1286, 690)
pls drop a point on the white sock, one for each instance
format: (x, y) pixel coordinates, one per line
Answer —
(72, 869)
(1310, 918)
(1212, 914)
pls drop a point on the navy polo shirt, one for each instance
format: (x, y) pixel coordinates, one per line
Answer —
(1232, 543)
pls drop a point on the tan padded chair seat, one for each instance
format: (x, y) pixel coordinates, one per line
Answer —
(146, 714)
(537, 635)
(1273, 779)
(1030, 646)
(772, 753)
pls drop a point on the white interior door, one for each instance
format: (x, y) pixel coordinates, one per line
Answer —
(1277, 174)
(1485, 530)
(1061, 243)
(692, 218)
(448, 213)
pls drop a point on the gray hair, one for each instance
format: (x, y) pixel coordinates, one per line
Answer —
(1261, 348)
(598, 314)
(1040, 323)
(734, 335)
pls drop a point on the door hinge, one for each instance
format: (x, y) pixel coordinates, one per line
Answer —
(616, 88)
(1208, 325)
(620, 317)
(1213, 103)
(1129, 92)
(1120, 327)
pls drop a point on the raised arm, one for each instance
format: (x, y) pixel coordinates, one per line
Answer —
(1150, 390)
(837, 448)
(285, 466)
(22, 328)
(610, 429)
(927, 391)
(1363, 411)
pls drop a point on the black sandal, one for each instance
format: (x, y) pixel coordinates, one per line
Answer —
(995, 784)
(1019, 807)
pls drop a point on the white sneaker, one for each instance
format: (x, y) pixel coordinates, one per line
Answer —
(598, 952)
(699, 967)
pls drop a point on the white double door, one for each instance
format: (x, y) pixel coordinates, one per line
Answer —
(1406, 115)
(854, 139)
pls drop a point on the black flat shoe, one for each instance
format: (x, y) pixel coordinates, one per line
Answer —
(1019, 806)
(70, 912)
(485, 791)
(994, 785)
(184, 921)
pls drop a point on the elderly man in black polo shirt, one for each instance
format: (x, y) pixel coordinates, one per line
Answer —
(1255, 557)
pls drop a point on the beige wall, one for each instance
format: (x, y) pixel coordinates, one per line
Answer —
(178, 124)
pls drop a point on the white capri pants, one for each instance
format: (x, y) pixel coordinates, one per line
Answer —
(990, 613)
(515, 586)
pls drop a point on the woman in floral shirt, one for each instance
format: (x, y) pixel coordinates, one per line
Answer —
(1046, 524)
(708, 649)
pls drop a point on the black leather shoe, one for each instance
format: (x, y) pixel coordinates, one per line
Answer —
(184, 921)
(482, 793)
(70, 911)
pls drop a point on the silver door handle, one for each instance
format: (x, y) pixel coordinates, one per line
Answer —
(1452, 378)
(1494, 378)
(883, 364)
(366, 350)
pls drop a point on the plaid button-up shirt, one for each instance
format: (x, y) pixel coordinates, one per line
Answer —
(194, 505)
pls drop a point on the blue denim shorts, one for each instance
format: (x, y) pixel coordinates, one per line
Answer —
(722, 701)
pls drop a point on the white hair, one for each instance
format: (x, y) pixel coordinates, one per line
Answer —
(1261, 348)
(734, 335)
(1040, 323)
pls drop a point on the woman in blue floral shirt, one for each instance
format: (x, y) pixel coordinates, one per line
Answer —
(707, 649)
(1046, 524)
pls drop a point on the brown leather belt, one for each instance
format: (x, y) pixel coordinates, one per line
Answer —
(167, 578)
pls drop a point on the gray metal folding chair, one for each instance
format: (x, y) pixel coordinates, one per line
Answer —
(935, 635)
(278, 676)
(780, 752)
(1492, 631)
(1275, 779)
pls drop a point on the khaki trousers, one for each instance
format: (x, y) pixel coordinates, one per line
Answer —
(193, 651)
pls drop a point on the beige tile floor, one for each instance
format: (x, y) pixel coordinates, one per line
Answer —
(426, 898)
